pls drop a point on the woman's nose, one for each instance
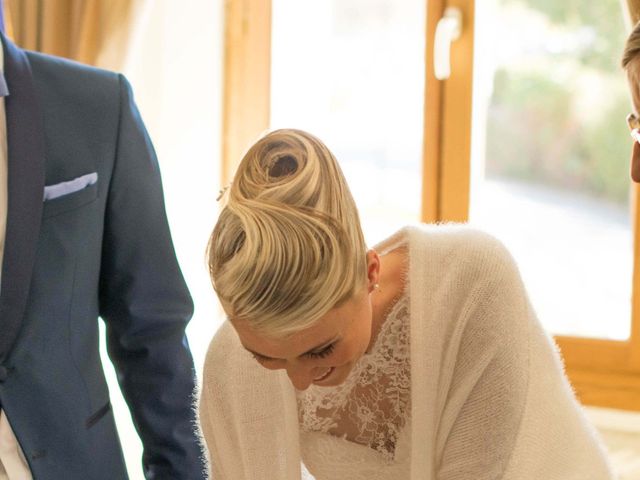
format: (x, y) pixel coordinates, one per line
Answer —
(300, 377)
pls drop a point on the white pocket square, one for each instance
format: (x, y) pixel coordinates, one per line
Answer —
(71, 186)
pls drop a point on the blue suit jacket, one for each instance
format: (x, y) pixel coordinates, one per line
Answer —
(104, 251)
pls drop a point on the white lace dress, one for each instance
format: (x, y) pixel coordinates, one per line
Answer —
(356, 430)
(489, 398)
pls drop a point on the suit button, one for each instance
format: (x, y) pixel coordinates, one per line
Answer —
(4, 373)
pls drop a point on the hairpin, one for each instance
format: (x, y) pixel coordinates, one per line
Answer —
(222, 192)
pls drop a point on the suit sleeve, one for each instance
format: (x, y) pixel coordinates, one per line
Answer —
(146, 306)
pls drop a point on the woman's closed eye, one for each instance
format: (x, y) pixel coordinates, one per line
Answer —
(325, 352)
(322, 353)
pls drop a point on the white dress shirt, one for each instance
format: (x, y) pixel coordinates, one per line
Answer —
(13, 465)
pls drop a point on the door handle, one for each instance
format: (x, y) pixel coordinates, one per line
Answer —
(448, 29)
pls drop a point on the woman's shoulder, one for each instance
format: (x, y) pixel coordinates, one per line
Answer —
(449, 233)
(448, 241)
(455, 258)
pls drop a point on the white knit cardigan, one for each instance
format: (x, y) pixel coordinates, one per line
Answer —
(489, 396)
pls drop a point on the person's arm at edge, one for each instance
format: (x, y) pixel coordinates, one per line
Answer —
(146, 306)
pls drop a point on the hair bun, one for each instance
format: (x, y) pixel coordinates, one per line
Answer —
(283, 166)
(287, 246)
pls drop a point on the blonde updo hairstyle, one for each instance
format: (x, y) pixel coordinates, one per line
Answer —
(288, 246)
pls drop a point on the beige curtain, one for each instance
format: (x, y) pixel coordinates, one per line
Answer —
(96, 32)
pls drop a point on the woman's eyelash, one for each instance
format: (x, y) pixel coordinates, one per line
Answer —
(325, 352)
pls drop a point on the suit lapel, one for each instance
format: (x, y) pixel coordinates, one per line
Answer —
(25, 140)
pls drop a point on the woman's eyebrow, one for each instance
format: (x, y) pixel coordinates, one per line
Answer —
(312, 350)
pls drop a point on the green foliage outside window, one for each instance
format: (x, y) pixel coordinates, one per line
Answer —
(566, 129)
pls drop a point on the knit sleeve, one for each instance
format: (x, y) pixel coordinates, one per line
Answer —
(243, 416)
(216, 424)
(488, 389)
(207, 429)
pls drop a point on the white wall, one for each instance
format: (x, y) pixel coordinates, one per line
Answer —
(175, 67)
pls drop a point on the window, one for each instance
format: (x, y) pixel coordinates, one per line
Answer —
(536, 166)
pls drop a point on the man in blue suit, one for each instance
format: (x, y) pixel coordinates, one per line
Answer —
(86, 236)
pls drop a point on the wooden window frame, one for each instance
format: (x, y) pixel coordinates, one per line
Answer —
(246, 84)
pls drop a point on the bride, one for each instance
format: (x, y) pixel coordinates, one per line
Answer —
(420, 358)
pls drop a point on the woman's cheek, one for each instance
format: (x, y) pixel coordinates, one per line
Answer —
(344, 355)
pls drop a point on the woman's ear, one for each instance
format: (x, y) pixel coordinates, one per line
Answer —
(373, 270)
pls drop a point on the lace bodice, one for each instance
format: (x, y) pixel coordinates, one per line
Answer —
(366, 414)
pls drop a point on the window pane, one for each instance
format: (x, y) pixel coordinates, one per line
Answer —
(352, 73)
(550, 156)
